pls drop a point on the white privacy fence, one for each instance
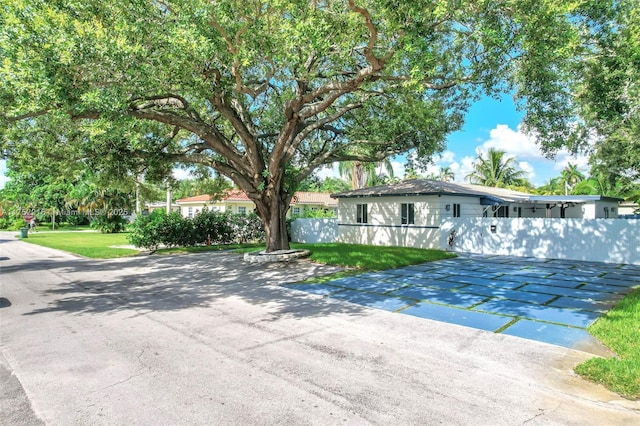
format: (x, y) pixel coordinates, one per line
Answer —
(314, 231)
(597, 240)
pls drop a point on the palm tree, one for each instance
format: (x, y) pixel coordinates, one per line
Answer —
(496, 170)
(552, 187)
(364, 174)
(570, 176)
(446, 174)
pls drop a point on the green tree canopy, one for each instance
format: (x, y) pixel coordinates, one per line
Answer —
(595, 106)
(265, 92)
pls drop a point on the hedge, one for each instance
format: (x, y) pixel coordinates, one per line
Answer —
(207, 227)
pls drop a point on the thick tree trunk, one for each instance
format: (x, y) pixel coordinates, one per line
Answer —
(272, 209)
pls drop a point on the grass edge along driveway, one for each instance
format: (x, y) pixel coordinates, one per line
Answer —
(618, 329)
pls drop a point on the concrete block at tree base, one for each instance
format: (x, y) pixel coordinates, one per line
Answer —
(275, 256)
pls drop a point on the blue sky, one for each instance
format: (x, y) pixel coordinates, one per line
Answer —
(489, 123)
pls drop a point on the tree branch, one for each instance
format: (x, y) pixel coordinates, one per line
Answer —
(376, 64)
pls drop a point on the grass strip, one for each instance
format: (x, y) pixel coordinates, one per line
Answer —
(619, 329)
(372, 258)
(87, 244)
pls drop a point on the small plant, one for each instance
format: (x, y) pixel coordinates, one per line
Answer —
(17, 224)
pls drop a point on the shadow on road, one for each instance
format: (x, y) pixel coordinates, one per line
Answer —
(170, 283)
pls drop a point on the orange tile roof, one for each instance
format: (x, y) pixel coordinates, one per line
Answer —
(321, 198)
(236, 195)
(318, 198)
(195, 199)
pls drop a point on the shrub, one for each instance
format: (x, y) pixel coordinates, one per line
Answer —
(206, 227)
(75, 220)
(176, 231)
(145, 231)
(212, 227)
(247, 228)
(109, 224)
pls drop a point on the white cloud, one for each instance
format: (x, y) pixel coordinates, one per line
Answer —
(463, 169)
(563, 158)
(446, 157)
(398, 169)
(514, 142)
(528, 169)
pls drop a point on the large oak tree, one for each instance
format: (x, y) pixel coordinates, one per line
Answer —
(264, 92)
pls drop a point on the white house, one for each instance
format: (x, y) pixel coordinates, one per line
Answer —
(238, 202)
(410, 213)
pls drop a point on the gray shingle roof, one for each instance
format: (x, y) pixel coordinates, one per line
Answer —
(434, 187)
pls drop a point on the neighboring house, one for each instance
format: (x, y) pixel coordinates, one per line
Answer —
(410, 213)
(628, 209)
(305, 201)
(160, 206)
(238, 202)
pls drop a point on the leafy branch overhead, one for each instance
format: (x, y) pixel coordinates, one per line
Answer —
(265, 92)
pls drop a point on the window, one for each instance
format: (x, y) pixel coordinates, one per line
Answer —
(407, 213)
(242, 210)
(361, 215)
(295, 211)
(502, 211)
(456, 210)
(190, 212)
(228, 208)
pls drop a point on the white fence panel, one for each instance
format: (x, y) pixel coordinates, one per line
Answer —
(599, 240)
(313, 231)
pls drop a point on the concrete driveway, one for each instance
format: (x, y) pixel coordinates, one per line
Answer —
(208, 339)
(552, 301)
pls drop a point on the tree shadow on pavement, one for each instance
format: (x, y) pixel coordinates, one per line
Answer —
(170, 283)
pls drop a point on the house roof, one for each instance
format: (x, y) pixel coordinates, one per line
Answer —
(231, 195)
(488, 195)
(433, 187)
(318, 198)
(571, 198)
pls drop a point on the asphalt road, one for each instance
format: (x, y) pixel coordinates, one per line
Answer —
(208, 339)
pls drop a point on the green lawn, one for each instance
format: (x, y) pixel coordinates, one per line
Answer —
(373, 258)
(88, 244)
(619, 329)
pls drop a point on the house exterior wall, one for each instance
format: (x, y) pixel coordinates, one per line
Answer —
(236, 207)
(384, 225)
(216, 206)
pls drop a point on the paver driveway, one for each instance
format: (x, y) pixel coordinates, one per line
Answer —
(552, 301)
